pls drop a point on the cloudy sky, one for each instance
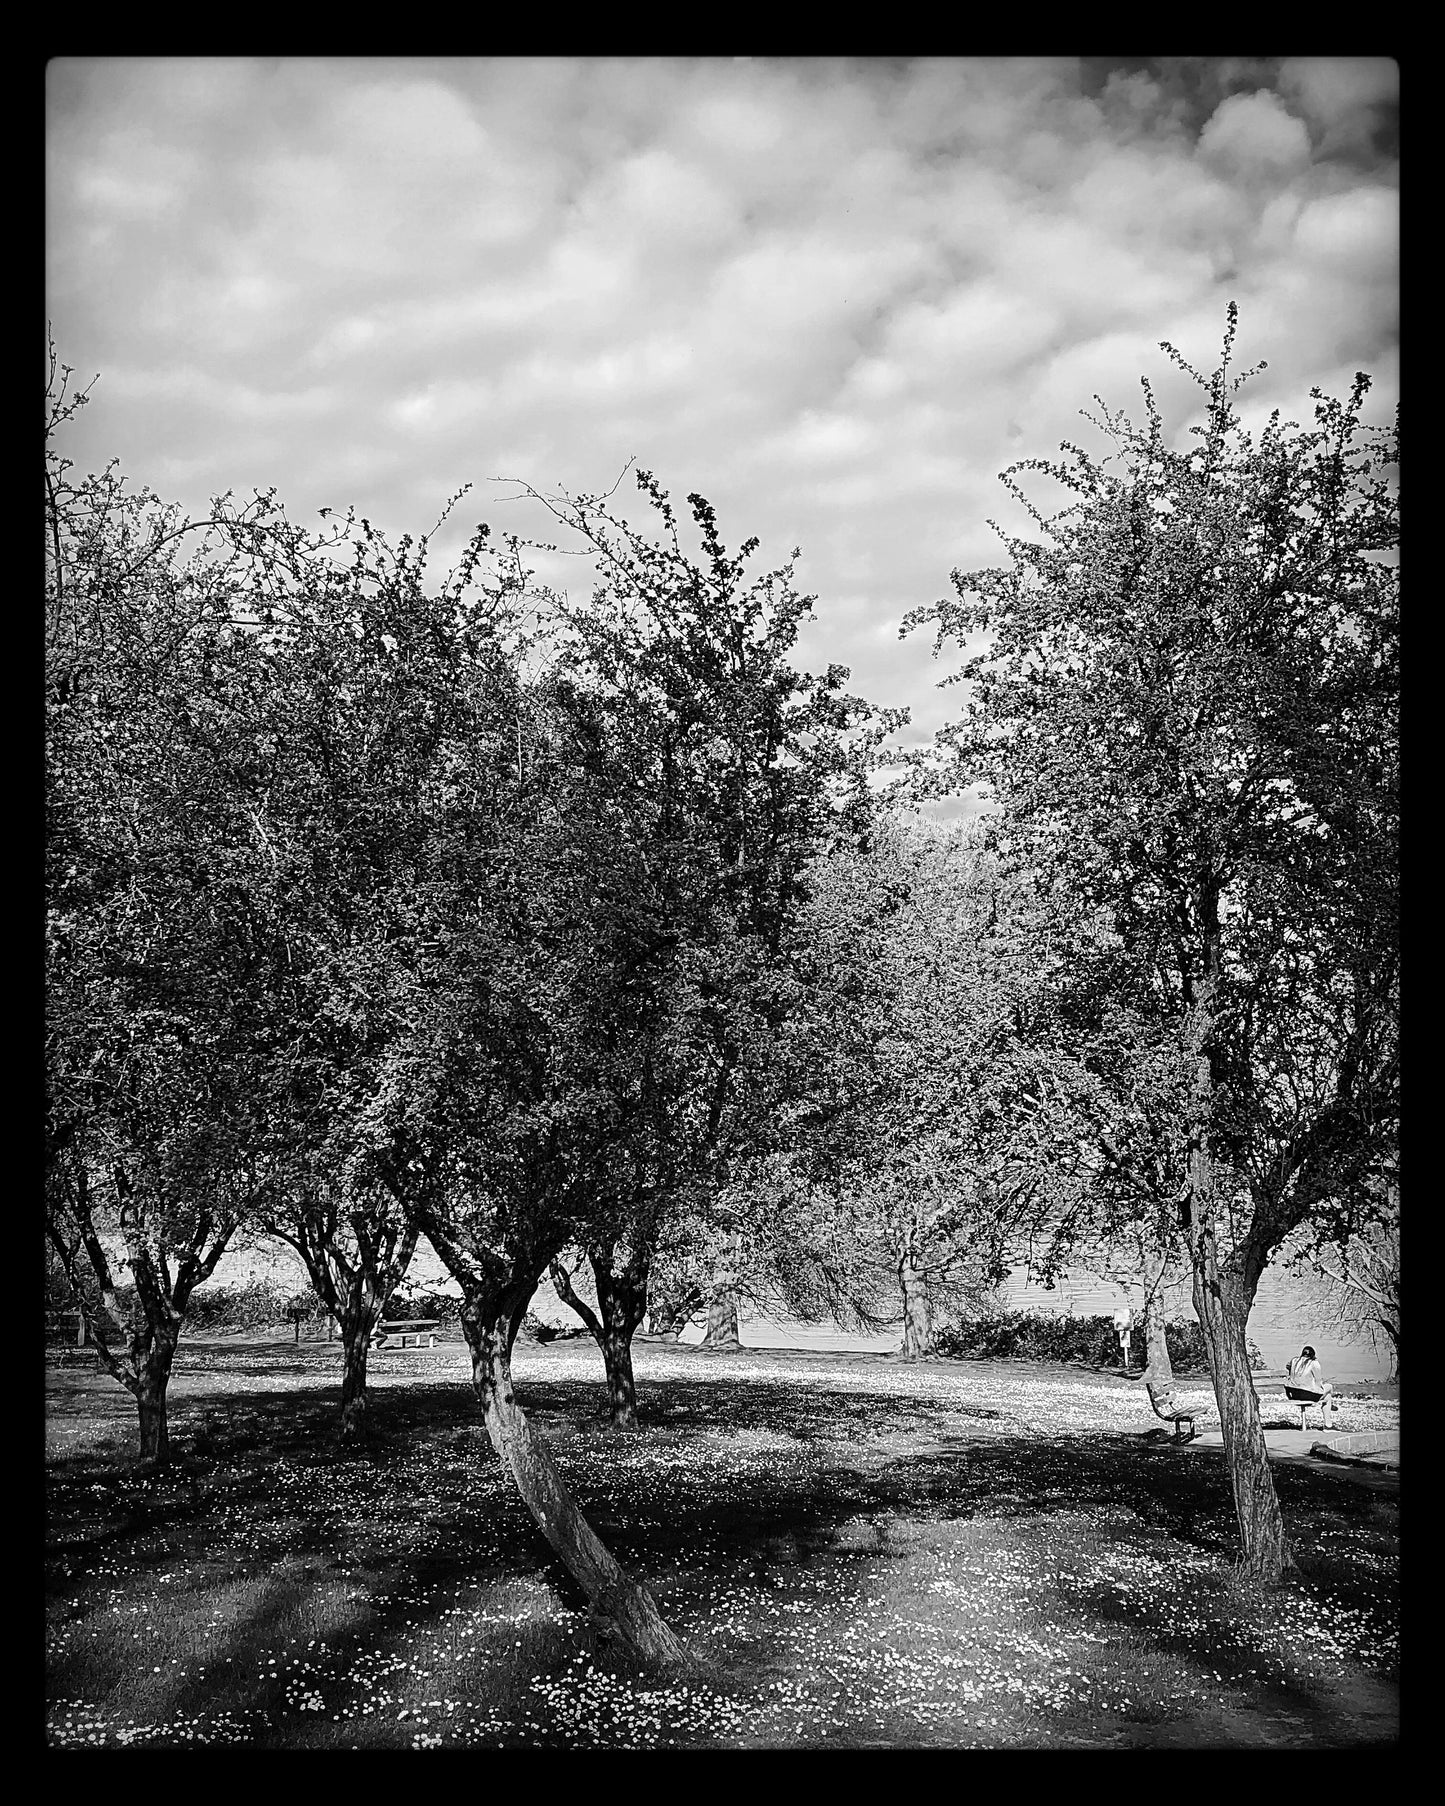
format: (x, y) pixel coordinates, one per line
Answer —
(836, 297)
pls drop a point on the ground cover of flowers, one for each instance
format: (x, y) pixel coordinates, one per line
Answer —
(859, 1552)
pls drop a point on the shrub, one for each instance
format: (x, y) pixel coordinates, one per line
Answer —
(537, 1329)
(1004, 1335)
(423, 1301)
(259, 1304)
(264, 1304)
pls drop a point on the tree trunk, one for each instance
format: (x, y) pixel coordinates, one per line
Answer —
(616, 1601)
(1222, 1316)
(722, 1304)
(363, 1306)
(1392, 1331)
(621, 1386)
(1222, 1306)
(357, 1324)
(353, 1285)
(622, 1302)
(152, 1376)
(917, 1313)
(669, 1314)
(1156, 1343)
(622, 1299)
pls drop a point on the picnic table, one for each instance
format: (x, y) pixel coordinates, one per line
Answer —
(416, 1328)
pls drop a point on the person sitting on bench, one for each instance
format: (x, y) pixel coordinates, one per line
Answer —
(1305, 1385)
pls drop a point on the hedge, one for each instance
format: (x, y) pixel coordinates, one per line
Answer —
(1042, 1336)
(259, 1304)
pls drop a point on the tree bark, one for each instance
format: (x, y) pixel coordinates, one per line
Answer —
(152, 1377)
(722, 1304)
(622, 1302)
(358, 1321)
(1156, 1343)
(669, 1315)
(622, 1298)
(617, 1601)
(1221, 1302)
(1222, 1316)
(917, 1314)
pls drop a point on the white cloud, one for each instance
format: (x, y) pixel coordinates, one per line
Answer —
(408, 130)
(982, 332)
(1342, 97)
(1254, 137)
(1357, 230)
(131, 176)
(836, 297)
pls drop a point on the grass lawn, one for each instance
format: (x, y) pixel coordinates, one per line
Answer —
(859, 1552)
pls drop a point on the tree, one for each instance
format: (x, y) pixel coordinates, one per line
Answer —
(932, 1101)
(156, 1029)
(1123, 1218)
(728, 769)
(612, 861)
(356, 1247)
(335, 909)
(498, 1104)
(1363, 1277)
(1184, 707)
(358, 700)
(236, 740)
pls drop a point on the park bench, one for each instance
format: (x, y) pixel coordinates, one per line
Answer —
(1168, 1409)
(1296, 1400)
(1301, 1401)
(416, 1329)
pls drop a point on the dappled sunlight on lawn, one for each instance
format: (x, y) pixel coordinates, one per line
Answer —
(856, 1552)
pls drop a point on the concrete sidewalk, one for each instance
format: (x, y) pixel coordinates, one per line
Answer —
(1380, 1451)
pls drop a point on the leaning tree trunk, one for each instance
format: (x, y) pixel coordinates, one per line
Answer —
(722, 1304)
(1222, 1307)
(615, 1599)
(1393, 1333)
(1222, 1314)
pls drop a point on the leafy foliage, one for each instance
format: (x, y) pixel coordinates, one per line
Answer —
(1008, 1335)
(255, 1305)
(1183, 696)
(931, 1089)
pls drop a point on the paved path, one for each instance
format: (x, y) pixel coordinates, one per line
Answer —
(1295, 1445)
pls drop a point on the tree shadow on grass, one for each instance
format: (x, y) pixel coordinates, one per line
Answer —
(999, 1475)
(285, 1529)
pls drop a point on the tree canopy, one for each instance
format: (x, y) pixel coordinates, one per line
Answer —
(1183, 704)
